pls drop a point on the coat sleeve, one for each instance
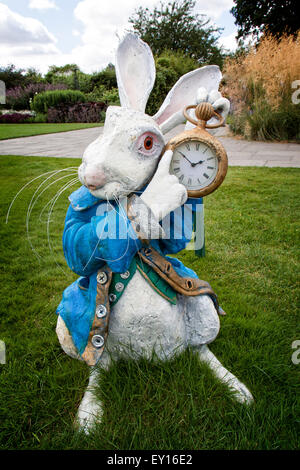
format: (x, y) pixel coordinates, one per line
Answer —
(91, 242)
(178, 227)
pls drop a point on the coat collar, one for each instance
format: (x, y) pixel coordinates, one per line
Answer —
(82, 199)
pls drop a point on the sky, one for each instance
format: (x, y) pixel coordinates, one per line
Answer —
(40, 33)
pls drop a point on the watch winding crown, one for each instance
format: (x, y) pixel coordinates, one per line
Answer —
(203, 113)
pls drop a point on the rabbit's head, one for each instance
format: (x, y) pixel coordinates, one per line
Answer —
(125, 157)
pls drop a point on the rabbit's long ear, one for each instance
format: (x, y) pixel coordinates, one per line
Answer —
(135, 69)
(184, 93)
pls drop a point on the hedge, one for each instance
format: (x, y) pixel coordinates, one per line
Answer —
(43, 101)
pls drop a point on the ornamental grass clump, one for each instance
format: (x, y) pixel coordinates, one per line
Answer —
(262, 86)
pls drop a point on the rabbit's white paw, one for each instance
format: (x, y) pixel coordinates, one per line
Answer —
(241, 392)
(164, 193)
(215, 98)
(89, 412)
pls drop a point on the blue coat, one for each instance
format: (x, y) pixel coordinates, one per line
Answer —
(98, 233)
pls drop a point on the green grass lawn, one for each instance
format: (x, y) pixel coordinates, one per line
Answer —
(11, 131)
(252, 240)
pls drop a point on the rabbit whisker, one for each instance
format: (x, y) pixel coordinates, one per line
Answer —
(100, 236)
(99, 239)
(33, 202)
(31, 181)
(50, 200)
(64, 188)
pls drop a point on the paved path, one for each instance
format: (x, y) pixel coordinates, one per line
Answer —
(72, 144)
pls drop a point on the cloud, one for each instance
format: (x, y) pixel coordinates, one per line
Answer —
(228, 42)
(43, 4)
(16, 29)
(214, 8)
(25, 41)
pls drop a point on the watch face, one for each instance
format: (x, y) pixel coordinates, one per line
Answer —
(195, 164)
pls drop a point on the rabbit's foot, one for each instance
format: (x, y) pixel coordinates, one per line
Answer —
(241, 392)
(89, 412)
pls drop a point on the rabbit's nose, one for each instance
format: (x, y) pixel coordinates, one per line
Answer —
(94, 178)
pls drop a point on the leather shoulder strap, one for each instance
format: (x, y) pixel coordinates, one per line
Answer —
(183, 285)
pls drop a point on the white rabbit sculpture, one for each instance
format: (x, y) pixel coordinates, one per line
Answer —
(126, 161)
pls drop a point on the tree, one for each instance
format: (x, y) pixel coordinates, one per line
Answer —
(12, 77)
(33, 76)
(170, 66)
(274, 16)
(174, 26)
(107, 78)
(67, 73)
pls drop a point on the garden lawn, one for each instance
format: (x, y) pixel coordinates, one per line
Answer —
(251, 261)
(11, 131)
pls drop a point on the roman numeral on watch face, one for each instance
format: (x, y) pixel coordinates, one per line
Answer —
(195, 164)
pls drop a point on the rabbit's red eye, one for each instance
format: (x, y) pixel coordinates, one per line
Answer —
(148, 142)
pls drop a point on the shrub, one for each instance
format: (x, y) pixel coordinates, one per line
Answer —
(71, 76)
(259, 85)
(40, 118)
(111, 97)
(101, 94)
(11, 76)
(45, 100)
(96, 94)
(79, 112)
(165, 79)
(273, 124)
(170, 66)
(15, 118)
(86, 112)
(19, 98)
(106, 78)
(178, 61)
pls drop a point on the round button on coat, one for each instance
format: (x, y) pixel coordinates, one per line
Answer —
(102, 277)
(101, 311)
(119, 286)
(125, 275)
(97, 341)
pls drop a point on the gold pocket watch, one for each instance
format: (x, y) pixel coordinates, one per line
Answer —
(199, 160)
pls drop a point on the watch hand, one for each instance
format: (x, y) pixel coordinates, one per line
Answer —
(192, 164)
(200, 161)
(185, 157)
